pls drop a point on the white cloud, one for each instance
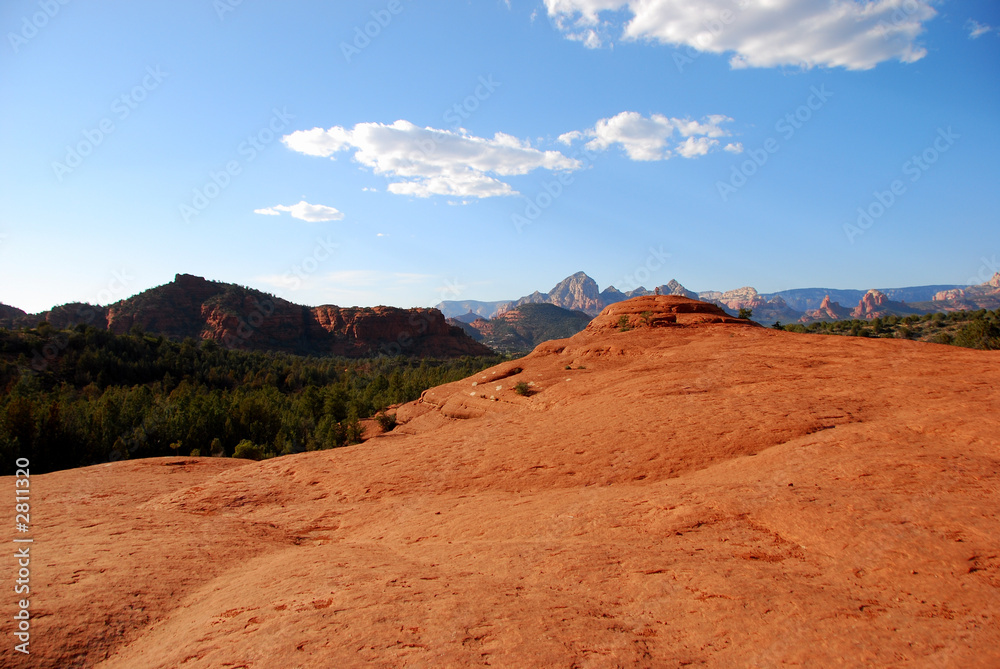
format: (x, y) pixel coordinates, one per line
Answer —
(734, 147)
(657, 137)
(428, 161)
(855, 34)
(977, 29)
(313, 213)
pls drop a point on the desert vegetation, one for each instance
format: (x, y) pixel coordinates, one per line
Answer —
(84, 396)
(971, 329)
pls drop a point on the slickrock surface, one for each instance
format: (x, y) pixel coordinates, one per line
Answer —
(695, 490)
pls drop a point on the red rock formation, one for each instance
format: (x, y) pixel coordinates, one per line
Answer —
(742, 298)
(955, 294)
(659, 311)
(577, 292)
(242, 318)
(982, 296)
(827, 311)
(709, 494)
(871, 305)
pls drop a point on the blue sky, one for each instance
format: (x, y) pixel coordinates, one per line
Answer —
(483, 150)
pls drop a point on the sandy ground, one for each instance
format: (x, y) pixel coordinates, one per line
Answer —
(696, 491)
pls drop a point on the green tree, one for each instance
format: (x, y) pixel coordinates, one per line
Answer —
(979, 333)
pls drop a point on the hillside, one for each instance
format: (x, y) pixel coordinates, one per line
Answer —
(695, 490)
(522, 328)
(243, 318)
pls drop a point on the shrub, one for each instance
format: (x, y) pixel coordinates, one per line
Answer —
(623, 325)
(979, 333)
(195, 453)
(522, 389)
(248, 450)
(386, 421)
(942, 338)
(745, 313)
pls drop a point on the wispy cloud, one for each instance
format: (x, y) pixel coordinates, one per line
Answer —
(313, 213)
(977, 29)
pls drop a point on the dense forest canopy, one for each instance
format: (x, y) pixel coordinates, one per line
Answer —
(83, 396)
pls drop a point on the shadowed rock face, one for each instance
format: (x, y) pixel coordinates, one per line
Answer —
(701, 491)
(242, 318)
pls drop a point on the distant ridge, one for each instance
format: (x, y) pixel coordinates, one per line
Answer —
(244, 318)
(579, 292)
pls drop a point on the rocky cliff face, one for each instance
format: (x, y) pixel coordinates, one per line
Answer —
(952, 294)
(983, 296)
(827, 311)
(742, 298)
(673, 287)
(577, 293)
(525, 327)
(876, 304)
(242, 318)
